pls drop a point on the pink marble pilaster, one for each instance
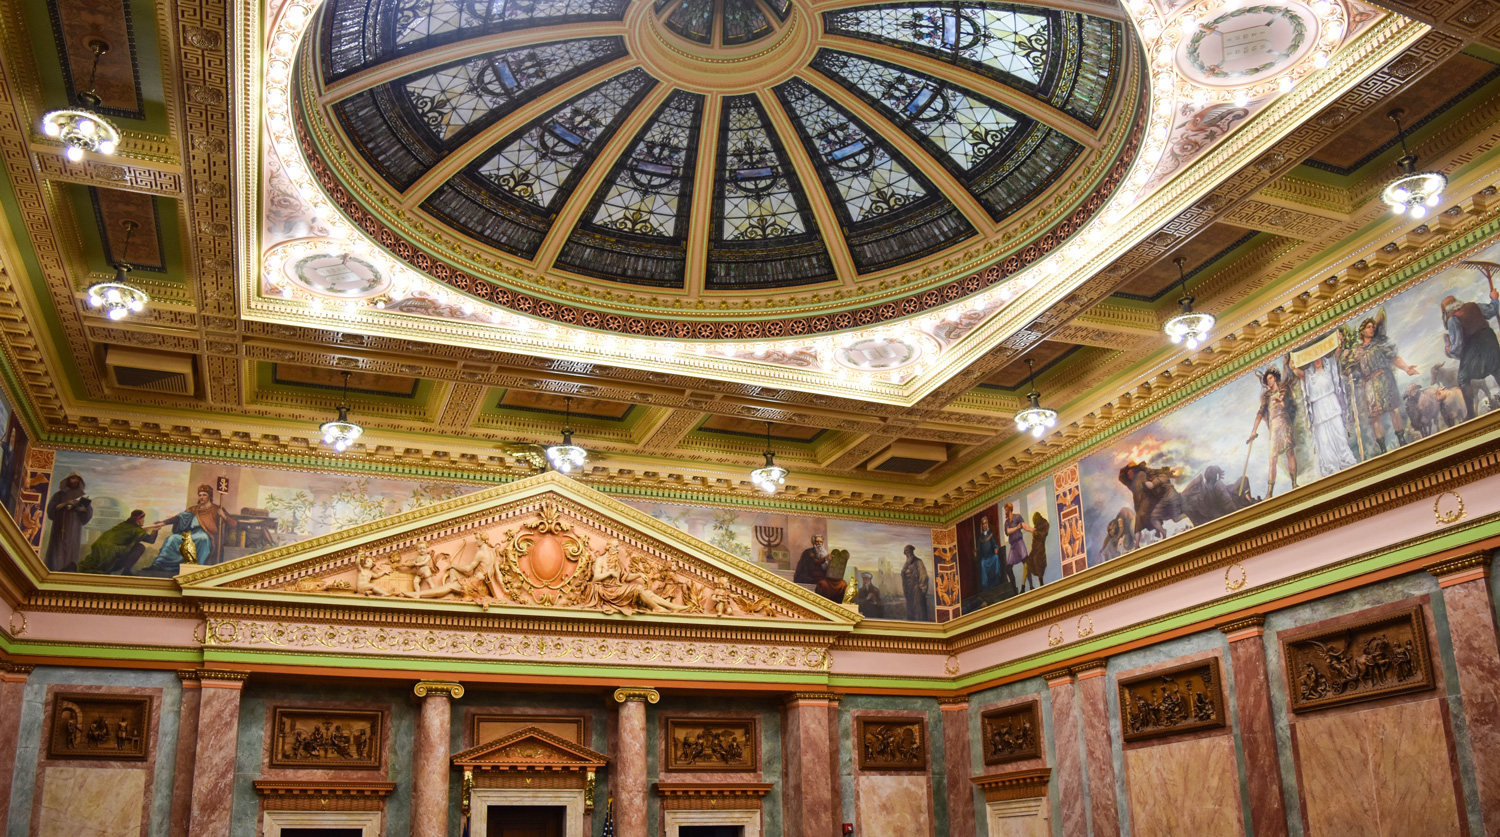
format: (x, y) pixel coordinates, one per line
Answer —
(430, 766)
(12, 689)
(1067, 736)
(630, 761)
(1476, 652)
(1098, 759)
(958, 767)
(1257, 727)
(213, 760)
(810, 809)
(187, 753)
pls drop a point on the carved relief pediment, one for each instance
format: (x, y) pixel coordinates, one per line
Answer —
(530, 748)
(546, 542)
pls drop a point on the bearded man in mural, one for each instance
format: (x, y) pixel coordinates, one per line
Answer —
(117, 550)
(197, 535)
(813, 568)
(70, 509)
(1472, 342)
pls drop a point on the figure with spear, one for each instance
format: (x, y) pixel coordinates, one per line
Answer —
(1470, 339)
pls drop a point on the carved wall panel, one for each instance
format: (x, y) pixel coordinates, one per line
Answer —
(1180, 699)
(1363, 660)
(332, 738)
(95, 726)
(1012, 733)
(491, 727)
(713, 744)
(891, 743)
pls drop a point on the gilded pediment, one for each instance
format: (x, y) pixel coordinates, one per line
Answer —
(530, 748)
(544, 543)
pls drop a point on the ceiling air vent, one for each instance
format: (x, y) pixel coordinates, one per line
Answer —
(149, 371)
(905, 457)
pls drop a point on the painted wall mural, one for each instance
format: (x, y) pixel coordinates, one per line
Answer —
(892, 564)
(126, 515)
(1421, 362)
(1012, 546)
(13, 448)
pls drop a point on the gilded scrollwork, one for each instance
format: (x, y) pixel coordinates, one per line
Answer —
(506, 646)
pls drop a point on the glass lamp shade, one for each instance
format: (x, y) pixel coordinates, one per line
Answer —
(567, 456)
(1414, 192)
(341, 432)
(117, 299)
(81, 131)
(769, 478)
(1036, 419)
(1189, 327)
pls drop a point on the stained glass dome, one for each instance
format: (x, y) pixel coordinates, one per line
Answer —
(718, 160)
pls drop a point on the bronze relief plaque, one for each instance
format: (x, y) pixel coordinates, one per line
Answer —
(1012, 733)
(1364, 660)
(91, 726)
(891, 743)
(1181, 699)
(327, 738)
(713, 745)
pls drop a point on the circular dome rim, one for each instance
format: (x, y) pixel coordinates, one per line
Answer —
(637, 310)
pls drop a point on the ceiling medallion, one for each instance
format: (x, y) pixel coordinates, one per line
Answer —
(82, 130)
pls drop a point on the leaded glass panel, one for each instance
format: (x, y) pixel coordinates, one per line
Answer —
(1013, 40)
(759, 194)
(867, 178)
(961, 124)
(694, 20)
(744, 22)
(419, 20)
(649, 191)
(536, 163)
(451, 99)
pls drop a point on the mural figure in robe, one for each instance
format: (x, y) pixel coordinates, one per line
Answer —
(1327, 407)
(1471, 341)
(813, 568)
(70, 509)
(197, 535)
(1371, 359)
(916, 584)
(1036, 557)
(117, 550)
(1016, 529)
(1277, 413)
(987, 555)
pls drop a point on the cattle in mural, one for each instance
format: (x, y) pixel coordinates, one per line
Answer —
(1422, 361)
(890, 564)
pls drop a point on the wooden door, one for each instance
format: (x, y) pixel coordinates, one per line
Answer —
(526, 820)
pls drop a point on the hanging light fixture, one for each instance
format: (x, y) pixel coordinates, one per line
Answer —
(1035, 418)
(82, 129)
(117, 297)
(1188, 326)
(341, 432)
(772, 476)
(1412, 189)
(567, 456)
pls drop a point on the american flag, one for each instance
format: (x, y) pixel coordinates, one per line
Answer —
(609, 820)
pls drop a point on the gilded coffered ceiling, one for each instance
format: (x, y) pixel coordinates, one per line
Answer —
(280, 247)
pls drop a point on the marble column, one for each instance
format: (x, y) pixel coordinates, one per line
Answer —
(1067, 735)
(12, 689)
(1469, 601)
(430, 766)
(630, 761)
(810, 734)
(1099, 757)
(958, 767)
(213, 760)
(1256, 726)
(187, 752)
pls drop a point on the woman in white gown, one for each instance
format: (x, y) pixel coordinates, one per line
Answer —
(1327, 405)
